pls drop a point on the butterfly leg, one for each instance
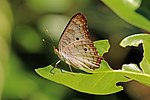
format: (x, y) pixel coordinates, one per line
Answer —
(55, 66)
(70, 68)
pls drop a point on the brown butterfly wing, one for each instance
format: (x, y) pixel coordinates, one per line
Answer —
(82, 53)
(75, 30)
(76, 47)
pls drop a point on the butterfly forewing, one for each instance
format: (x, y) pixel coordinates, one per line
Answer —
(75, 47)
(75, 30)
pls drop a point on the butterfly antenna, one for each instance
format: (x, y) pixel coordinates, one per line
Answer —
(50, 37)
(52, 41)
(44, 40)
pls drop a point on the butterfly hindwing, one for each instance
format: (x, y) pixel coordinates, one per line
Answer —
(84, 52)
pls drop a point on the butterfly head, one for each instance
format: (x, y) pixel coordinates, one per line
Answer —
(57, 52)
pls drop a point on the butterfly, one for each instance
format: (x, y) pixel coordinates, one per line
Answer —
(75, 47)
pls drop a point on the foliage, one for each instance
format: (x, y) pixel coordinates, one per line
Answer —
(22, 51)
(104, 80)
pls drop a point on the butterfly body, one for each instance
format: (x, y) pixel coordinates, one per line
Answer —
(75, 48)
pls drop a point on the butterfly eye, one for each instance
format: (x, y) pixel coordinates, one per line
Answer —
(77, 38)
(85, 49)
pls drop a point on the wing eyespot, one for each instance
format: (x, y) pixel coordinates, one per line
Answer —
(77, 38)
(85, 49)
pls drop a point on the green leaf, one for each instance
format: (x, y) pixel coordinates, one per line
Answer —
(127, 10)
(102, 81)
(102, 47)
(135, 40)
(131, 67)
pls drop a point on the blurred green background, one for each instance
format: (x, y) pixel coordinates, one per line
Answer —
(22, 28)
